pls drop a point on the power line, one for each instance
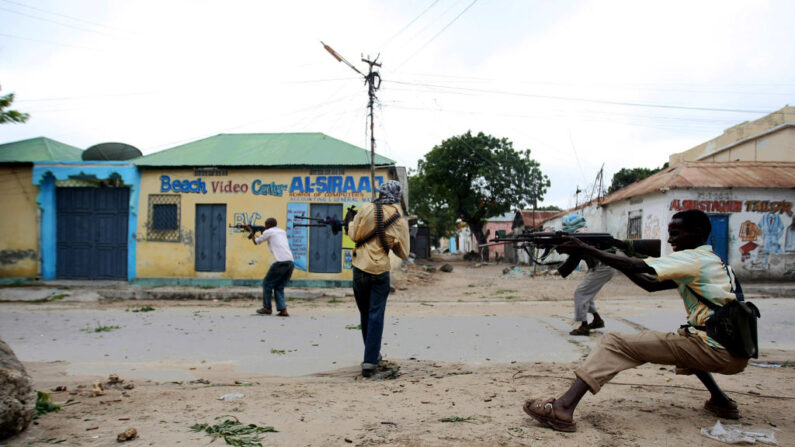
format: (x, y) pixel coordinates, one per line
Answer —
(596, 101)
(383, 45)
(56, 22)
(576, 157)
(63, 15)
(49, 42)
(70, 98)
(436, 35)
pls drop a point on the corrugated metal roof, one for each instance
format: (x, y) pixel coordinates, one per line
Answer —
(540, 216)
(38, 149)
(694, 174)
(263, 149)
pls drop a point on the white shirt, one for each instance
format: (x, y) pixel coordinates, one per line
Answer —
(277, 242)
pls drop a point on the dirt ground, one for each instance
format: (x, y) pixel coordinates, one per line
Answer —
(429, 403)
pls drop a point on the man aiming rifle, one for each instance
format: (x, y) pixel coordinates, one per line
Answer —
(704, 282)
(280, 271)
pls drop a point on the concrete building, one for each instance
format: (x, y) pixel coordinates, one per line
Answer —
(750, 205)
(20, 244)
(744, 180)
(770, 138)
(193, 195)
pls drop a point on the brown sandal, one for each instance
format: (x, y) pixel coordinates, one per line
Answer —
(543, 412)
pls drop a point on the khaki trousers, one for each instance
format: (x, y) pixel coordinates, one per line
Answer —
(617, 352)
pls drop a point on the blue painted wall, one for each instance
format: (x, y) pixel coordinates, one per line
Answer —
(46, 173)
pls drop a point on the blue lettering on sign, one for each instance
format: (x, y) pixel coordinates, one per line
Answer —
(364, 184)
(332, 184)
(296, 185)
(264, 189)
(320, 184)
(349, 185)
(176, 185)
(336, 183)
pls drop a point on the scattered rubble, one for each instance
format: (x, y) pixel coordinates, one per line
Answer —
(127, 435)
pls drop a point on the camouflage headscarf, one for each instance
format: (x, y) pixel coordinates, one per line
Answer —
(389, 192)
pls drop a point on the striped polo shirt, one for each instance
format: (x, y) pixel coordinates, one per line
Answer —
(705, 273)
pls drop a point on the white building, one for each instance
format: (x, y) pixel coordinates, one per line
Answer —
(750, 205)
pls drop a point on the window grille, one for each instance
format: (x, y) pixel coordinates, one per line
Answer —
(634, 230)
(164, 212)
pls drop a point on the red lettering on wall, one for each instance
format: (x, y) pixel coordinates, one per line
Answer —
(733, 206)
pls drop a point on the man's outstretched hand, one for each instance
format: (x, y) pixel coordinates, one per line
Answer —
(572, 245)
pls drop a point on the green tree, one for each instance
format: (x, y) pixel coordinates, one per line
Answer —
(10, 116)
(432, 211)
(628, 176)
(549, 208)
(475, 177)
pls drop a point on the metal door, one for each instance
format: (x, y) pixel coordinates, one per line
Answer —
(719, 237)
(325, 248)
(421, 243)
(91, 234)
(210, 238)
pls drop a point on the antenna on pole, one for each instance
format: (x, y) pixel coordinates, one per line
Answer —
(373, 81)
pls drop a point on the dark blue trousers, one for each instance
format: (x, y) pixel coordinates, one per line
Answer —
(371, 292)
(273, 284)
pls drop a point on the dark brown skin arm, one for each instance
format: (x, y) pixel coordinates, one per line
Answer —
(635, 269)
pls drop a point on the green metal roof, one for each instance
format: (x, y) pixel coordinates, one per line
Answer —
(38, 149)
(264, 149)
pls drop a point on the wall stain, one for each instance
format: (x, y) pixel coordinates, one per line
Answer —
(14, 256)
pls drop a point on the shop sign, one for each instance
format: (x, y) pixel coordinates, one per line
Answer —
(733, 206)
(258, 187)
(177, 185)
(335, 184)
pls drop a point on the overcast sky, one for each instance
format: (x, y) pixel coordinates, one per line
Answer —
(580, 83)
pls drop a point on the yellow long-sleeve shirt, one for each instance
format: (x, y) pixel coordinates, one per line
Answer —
(371, 256)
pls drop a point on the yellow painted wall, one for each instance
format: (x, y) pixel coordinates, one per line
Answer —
(19, 231)
(244, 260)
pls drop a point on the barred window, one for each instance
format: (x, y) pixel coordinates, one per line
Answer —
(164, 217)
(634, 230)
(164, 212)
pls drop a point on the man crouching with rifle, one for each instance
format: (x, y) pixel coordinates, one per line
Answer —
(376, 229)
(700, 275)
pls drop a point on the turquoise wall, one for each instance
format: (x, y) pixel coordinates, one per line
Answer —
(45, 175)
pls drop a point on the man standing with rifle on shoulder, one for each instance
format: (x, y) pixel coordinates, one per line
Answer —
(377, 228)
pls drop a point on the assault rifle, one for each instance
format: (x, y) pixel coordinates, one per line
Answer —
(251, 229)
(548, 241)
(332, 221)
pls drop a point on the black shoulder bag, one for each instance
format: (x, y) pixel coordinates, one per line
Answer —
(733, 325)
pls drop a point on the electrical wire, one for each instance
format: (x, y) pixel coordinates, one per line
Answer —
(56, 22)
(64, 16)
(389, 40)
(47, 42)
(596, 101)
(436, 35)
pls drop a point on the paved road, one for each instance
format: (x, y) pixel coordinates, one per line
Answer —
(160, 345)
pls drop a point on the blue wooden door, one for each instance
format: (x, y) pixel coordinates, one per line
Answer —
(91, 234)
(719, 237)
(325, 248)
(210, 238)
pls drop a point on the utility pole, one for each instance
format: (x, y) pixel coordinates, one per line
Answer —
(373, 82)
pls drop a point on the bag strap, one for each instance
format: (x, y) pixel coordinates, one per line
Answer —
(705, 302)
